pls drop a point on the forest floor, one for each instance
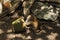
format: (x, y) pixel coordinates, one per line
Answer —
(50, 31)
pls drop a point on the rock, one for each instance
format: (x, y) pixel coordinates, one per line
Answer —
(58, 1)
(45, 11)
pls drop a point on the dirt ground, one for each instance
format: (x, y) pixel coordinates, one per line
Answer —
(49, 31)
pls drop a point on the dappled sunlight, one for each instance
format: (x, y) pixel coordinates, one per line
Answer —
(52, 36)
(10, 30)
(39, 39)
(10, 36)
(28, 37)
(1, 31)
(20, 36)
(42, 31)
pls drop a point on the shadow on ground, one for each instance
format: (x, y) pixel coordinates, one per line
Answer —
(49, 31)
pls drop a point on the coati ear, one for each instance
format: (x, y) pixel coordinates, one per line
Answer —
(35, 23)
